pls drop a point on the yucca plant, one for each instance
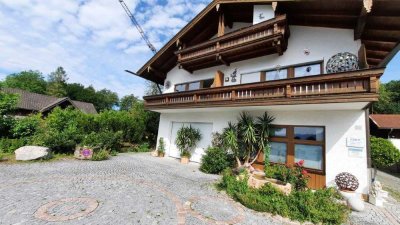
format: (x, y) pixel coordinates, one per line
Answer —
(186, 140)
(248, 138)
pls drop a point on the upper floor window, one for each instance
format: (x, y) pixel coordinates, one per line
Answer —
(195, 85)
(307, 70)
(292, 71)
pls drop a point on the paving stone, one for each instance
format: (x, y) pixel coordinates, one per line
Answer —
(129, 189)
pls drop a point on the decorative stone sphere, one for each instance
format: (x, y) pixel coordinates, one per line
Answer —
(346, 181)
(342, 62)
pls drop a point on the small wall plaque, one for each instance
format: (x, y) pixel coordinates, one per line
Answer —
(355, 142)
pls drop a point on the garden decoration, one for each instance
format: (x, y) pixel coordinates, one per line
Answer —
(376, 194)
(346, 182)
(84, 153)
(342, 62)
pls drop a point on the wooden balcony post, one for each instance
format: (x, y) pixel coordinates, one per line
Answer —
(288, 91)
(195, 98)
(233, 95)
(373, 84)
(167, 100)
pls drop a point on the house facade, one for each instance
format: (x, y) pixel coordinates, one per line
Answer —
(315, 67)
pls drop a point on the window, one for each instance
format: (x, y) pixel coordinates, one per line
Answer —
(278, 132)
(311, 154)
(250, 78)
(290, 144)
(195, 85)
(307, 70)
(309, 133)
(278, 152)
(180, 87)
(276, 74)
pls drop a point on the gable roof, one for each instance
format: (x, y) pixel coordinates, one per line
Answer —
(381, 27)
(386, 121)
(42, 103)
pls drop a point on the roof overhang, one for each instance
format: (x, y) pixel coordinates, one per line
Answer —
(379, 29)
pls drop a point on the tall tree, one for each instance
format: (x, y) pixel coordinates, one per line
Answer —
(57, 83)
(106, 99)
(30, 80)
(127, 102)
(152, 88)
(79, 92)
(389, 99)
(8, 103)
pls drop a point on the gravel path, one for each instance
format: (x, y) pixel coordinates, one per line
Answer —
(128, 189)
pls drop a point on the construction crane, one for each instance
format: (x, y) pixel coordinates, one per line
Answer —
(142, 33)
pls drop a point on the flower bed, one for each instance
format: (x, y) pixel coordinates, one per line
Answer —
(320, 206)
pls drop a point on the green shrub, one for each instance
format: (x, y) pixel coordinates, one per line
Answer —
(27, 126)
(320, 206)
(161, 146)
(383, 153)
(104, 140)
(145, 147)
(297, 175)
(214, 161)
(10, 145)
(100, 155)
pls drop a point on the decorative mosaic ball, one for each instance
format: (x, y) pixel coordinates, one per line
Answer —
(347, 181)
(342, 62)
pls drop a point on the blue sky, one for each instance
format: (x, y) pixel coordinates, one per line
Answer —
(93, 39)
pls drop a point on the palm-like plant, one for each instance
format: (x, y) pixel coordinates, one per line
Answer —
(248, 138)
(263, 126)
(186, 140)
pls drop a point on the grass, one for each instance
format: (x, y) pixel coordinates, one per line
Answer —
(10, 158)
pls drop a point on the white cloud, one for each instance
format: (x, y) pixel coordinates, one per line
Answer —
(93, 40)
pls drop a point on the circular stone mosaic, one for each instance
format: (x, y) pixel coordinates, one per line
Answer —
(66, 209)
(215, 210)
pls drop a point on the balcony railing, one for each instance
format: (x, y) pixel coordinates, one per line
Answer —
(268, 37)
(352, 86)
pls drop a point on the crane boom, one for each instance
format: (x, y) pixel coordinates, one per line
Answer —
(134, 22)
(144, 36)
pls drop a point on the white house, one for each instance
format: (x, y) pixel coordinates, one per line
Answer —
(280, 57)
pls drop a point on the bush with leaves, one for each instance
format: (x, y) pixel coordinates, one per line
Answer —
(161, 146)
(144, 147)
(27, 127)
(108, 140)
(214, 161)
(10, 145)
(8, 103)
(319, 207)
(101, 155)
(383, 153)
(295, 175)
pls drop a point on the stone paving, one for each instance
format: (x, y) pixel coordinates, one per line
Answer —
(130, 189)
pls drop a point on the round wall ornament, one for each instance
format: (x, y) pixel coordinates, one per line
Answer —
(167, 84)
(342, 62)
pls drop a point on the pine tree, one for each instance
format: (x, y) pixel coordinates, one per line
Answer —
(57, 83)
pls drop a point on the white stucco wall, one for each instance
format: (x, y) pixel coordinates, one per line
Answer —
(338, 124)
(396, 142)
(322, 43)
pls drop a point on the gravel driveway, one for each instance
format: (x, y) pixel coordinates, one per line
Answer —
(128, 189)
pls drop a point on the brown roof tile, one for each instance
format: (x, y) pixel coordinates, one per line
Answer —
(40, 103)
(386, 121)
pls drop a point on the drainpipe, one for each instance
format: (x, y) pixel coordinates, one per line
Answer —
(391, 131)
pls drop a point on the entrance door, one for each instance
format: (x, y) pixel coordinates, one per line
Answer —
(197, 153)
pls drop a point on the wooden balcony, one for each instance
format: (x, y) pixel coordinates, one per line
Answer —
(355, 86)
(265, 38)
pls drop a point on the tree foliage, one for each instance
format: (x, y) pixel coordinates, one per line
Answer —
(30, 80)
(389, 98)
(127, 102)
(8, 103)
(57, 83)
(383, 153)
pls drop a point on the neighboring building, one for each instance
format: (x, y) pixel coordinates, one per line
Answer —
(386, 126)
(33, 103)
(257, 56)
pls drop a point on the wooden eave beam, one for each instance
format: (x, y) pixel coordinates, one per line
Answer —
(390, 56)
(181, 66)
(361, 23)
(221, 59)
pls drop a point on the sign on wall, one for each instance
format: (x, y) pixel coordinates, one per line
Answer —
(355, 142)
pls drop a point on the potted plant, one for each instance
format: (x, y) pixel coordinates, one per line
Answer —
(186, 140)
(161, 147)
